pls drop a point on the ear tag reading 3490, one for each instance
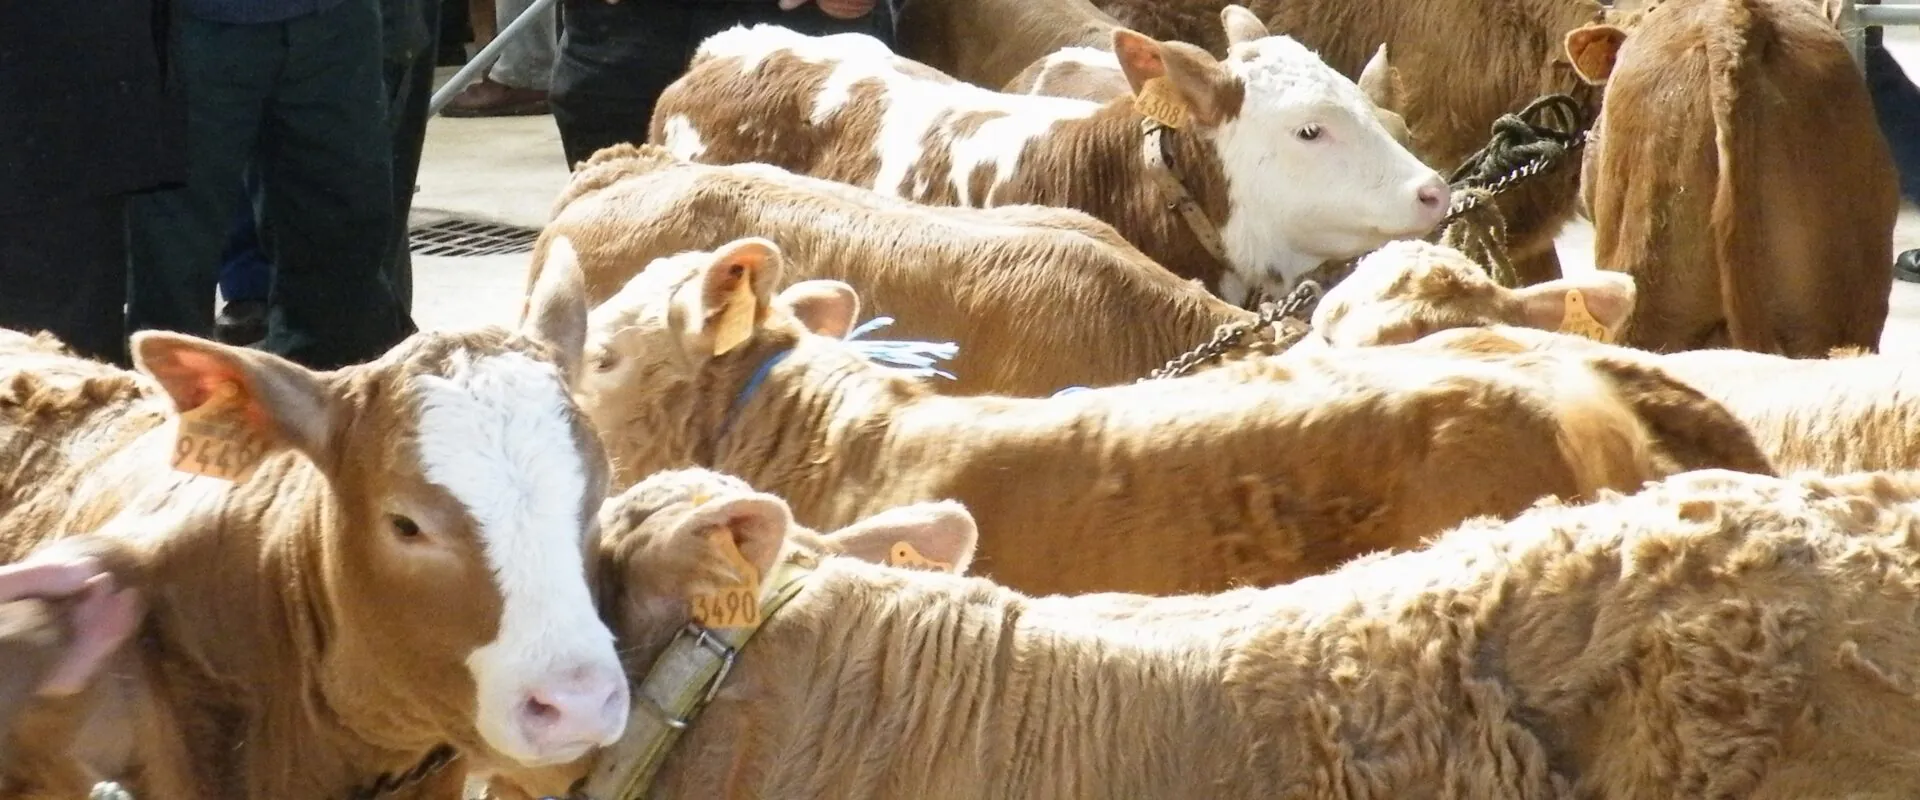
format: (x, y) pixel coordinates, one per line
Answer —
(216, 439)
(736, 606)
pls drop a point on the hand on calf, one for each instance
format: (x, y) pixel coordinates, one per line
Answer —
(838, 9)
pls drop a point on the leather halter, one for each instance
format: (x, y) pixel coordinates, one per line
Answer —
(1155, 148)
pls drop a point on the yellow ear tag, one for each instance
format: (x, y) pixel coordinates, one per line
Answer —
(215, 439)
(1157, 101)
(904, 554)
(736, 606)
(1578, 321)
(737, 320)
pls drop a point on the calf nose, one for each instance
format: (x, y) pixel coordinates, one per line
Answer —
(574, 711)
(1433, 195)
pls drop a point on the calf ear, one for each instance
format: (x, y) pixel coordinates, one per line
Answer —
(939, 536)
(753, 523)
(1242, 25)
(1379, 81)
(826, 307)
(1608, 297)
(1203, 90)
(280, 400)
(735, 293)
(1592, 49)
(556, 313)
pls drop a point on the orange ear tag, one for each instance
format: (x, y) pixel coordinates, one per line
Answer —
(1580, 322)
(737, 320)
(216, 440)
(736, 606)
(904, 554)
(1156, 101)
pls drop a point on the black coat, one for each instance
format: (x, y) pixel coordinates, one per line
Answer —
(88, 107)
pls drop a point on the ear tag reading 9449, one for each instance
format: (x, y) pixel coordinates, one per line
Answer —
(1580, 322)
(217, 441)
(735, 606)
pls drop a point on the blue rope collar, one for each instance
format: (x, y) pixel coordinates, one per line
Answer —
(914, 358)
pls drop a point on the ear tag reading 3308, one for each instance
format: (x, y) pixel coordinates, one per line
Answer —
(216, 439)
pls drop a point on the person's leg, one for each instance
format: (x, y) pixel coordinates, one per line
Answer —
(327, 176)
(517, 83)
(64, 269)
(245, 275)
(614, 61)
(175, 236)
(1896, 105)
(409, 76)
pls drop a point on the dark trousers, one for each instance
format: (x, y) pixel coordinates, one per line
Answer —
(304, 101)
(63, 269)
(245, 274)
(616, 59)
(1896, 102)
(410, 58)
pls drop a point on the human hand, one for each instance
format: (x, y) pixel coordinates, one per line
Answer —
(99, 621)
(838, 9)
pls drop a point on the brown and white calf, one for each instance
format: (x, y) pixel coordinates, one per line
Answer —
(1740, 177)
(401, 575)
(1039, 299)
(1458, 66)
(1715, 635)
(1169, 486)
(1283, 158)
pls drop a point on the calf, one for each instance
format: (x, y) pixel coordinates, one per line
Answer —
(1039, 299)
(1715, 635)
(1258, 169)
(1460, 65)
(989, 42)
(1790, 251)
(1186, 484)
(354, 577)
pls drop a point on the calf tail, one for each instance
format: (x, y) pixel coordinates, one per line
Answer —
(1738, 249)
(1689, 428)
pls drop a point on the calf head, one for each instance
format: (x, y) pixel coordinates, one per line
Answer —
(443, 570)
(657, 552)
(669, 354)
(1408, 289)
(1312, 174)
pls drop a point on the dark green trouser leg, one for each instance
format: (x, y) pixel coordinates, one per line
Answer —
(175, 236)
(327, 176)
(410, 56)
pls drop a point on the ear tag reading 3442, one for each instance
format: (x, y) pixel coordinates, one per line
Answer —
(904, 554)
(736, 606)
(1580, 322)
(216, 439)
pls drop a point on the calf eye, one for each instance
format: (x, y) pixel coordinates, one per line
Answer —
(604, 361)
(403, 527)
(1308, 132)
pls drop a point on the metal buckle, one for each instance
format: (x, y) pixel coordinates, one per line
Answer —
(705, 638)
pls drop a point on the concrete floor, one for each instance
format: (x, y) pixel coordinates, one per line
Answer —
(510, 169)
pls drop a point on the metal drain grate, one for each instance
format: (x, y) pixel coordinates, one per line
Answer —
(465, 237)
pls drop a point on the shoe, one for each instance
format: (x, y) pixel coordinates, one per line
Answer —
(484, 98)
(1906, 267)
(241, 323)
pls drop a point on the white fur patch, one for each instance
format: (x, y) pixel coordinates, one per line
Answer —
(682, 140)
(495, 435)
(919, 107)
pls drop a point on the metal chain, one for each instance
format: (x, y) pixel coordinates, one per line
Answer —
(1534, 167)
(1299, 302)
(389, 783)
